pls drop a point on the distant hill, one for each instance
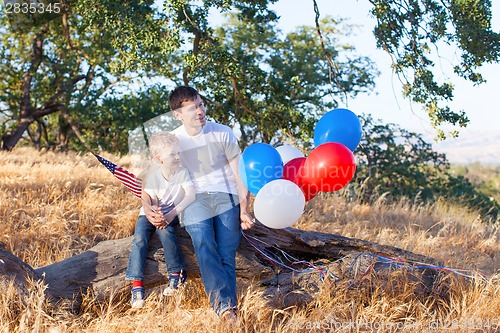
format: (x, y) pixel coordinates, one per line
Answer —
(470, 147)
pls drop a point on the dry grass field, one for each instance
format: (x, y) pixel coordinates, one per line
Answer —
(55, 205)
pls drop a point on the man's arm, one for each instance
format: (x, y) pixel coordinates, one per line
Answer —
(189, 198)
(244, 195)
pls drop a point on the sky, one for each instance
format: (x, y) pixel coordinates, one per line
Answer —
(386, 103)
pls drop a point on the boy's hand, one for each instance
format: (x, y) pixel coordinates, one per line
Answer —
(156, 218)
(246, 221)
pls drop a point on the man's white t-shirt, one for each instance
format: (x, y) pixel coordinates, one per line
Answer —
(207, 156)
(167, 193)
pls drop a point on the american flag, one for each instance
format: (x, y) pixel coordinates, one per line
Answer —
(127, 178)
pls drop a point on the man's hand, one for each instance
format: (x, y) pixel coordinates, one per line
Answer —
(170, 216)
(247, 221)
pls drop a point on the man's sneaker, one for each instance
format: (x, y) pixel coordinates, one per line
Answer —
(137, 300)
(175, 281)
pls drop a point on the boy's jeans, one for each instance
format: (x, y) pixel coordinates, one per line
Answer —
(213, 222)
(140, 247)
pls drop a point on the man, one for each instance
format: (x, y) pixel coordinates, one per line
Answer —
(214, 221)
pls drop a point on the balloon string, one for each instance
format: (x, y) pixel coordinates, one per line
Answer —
(276, 261)
(401, 263)
(292, 261)
(270, 256)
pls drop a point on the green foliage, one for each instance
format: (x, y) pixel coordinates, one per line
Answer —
(275, 87)
(63, 63)
(271, 86)
(412, 32)
(484, 177)
(117, 116)
(460, 190)
(397, 163)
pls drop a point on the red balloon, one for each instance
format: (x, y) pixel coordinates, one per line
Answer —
(329, 167)
(293, 171)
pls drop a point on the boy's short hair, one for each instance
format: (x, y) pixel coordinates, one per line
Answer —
(159, 140)
(181, 94)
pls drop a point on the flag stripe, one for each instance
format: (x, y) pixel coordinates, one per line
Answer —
(132, 183)
(127, 178)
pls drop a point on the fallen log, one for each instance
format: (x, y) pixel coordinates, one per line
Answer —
(15, 274)
(102, 268)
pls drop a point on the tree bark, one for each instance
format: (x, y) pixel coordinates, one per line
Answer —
(15, 274)
(102, 268)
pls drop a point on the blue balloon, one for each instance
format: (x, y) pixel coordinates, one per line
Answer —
(339, 125)
(259, 164)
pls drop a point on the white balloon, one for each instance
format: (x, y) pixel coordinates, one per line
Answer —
(288, 153)
(279, 204)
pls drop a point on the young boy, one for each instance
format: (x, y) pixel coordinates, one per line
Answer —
(168, 190)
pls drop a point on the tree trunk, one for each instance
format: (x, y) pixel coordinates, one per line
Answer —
(10, 140)
(102, 268)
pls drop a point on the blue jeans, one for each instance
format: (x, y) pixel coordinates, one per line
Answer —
(213, 222)
(140, 247)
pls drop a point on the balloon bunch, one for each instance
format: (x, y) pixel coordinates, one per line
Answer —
(283, 179)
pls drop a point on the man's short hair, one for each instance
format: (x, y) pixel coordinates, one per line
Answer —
(159, 140)
(181, 94)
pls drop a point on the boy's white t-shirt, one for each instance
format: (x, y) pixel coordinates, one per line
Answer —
(168, 193)
(207, 156)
